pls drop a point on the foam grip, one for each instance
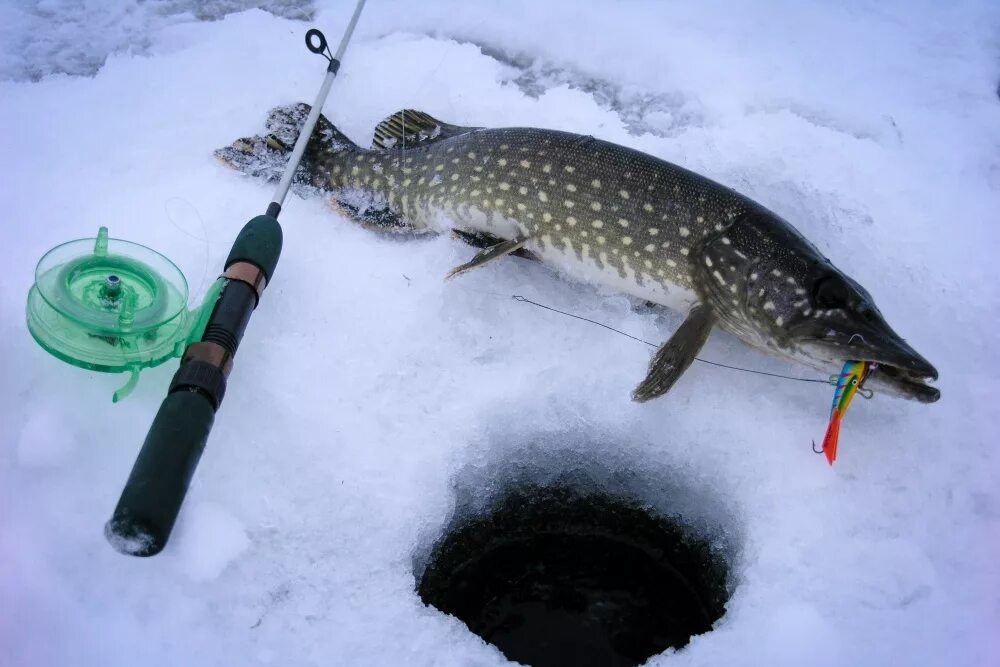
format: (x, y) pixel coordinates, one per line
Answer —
(149, 504)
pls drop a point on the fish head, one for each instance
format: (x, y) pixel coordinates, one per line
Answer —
(774, 289)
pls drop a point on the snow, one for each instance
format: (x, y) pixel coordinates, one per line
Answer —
(371, 400)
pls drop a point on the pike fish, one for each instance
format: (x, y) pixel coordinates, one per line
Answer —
(606, 214)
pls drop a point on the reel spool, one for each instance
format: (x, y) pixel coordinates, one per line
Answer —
(110, 305)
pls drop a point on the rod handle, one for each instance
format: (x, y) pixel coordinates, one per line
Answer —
(155, 490)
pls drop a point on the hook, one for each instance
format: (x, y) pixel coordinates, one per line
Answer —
(866, 393)
(817, 451)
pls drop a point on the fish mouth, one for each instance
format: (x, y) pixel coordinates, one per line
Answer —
(899, 371)
(904, 383)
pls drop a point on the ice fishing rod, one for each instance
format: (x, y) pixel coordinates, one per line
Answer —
(144, 517)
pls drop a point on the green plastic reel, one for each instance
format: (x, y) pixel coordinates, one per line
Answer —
(113, 306)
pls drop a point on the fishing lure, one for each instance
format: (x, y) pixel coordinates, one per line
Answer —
(849, 383)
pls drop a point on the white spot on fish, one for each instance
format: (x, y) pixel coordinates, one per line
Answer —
(626, 240)
(547, 168)
(502, 162)
(525, 164)
(569, 203)
(671, 263)
(708, 262)
(505, 186)
(571, 187)
(597, 224)
(596, 183)
(595, 205)
(653, 231)
(569, 169)
(768, 305)
(542, 196)
(547, 217)
(647, 207)
(623, 194)
(623, 222)
(571, 221)
(684, 231)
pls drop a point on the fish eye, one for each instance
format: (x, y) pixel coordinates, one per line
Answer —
(830, 292)
(854, 381)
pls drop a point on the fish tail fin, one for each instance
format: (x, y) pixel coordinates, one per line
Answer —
(266, 156)
(831, 439)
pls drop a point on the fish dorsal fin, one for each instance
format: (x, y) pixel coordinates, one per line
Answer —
(409, 128)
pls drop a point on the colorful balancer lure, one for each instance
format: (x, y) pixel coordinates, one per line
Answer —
(849, 383)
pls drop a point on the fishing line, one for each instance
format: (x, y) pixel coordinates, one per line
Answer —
(521, 299)
(203, 238)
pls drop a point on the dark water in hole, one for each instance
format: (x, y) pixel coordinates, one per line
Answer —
(554, 577)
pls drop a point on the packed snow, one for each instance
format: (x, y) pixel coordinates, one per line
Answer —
(370, 397)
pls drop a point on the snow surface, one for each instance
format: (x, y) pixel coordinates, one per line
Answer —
(371, 400)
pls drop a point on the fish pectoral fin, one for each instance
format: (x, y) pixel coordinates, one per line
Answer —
(489, 254)
(673, 357)
(409, 128)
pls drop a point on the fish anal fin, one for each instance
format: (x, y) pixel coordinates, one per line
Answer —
(677, 354)
(489, 254)
(410, 128)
